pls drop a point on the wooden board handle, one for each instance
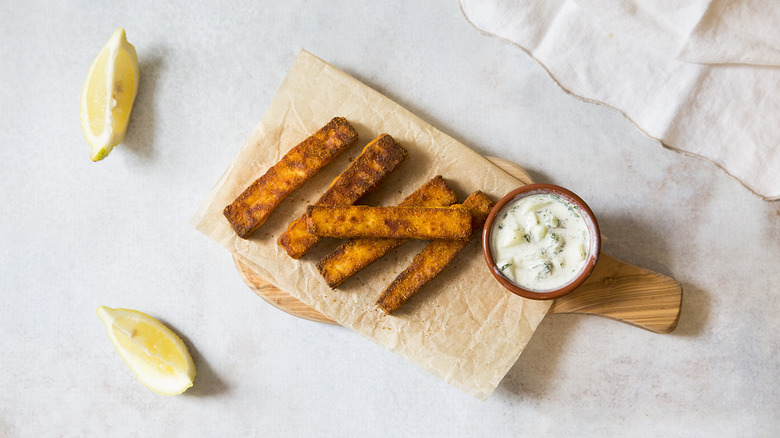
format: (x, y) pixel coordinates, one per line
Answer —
(628, 294)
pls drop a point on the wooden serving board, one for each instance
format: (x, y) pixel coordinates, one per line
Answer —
(614, 290)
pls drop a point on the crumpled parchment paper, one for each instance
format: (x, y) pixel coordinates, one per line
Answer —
(463, 326)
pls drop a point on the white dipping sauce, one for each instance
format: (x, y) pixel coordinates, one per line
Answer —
(540, 242)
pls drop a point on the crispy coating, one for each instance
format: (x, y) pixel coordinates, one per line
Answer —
(394, 222)
(252, 207)
(433, 259)
(354, 255)
(378, 159)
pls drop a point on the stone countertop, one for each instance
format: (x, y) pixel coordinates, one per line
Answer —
(76, 235)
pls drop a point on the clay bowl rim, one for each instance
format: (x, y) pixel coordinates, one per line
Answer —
(593, 251)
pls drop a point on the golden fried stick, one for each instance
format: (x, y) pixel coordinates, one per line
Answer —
(378, 159)
(354, 255)
(252, 207)
(394, 222)
(433, 259)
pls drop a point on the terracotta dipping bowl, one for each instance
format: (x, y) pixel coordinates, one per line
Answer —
(594, 235)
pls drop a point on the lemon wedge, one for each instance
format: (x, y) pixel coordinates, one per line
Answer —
(156, 355)
(108, 95)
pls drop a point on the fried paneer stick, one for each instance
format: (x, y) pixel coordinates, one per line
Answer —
(393, 222)
(252, 207)
(354, 255)
(433, 259)
(378, 159)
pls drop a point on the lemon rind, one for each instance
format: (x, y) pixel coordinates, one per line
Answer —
(148, 375)
(104, 143)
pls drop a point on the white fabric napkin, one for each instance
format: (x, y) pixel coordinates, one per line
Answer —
(699, 76)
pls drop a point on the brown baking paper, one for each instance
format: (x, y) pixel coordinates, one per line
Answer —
(463, 326)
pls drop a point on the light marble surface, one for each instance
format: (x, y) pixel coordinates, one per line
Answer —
(76, 234)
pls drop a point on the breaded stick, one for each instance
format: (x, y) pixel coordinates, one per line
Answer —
(252, 207)
(378, 159)
(394, 222)
(433, 259)
(354, 255)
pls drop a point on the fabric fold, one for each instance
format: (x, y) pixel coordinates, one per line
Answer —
(736, 32)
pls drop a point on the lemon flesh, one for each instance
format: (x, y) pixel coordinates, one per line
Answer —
(153, 352)
(108, 95)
